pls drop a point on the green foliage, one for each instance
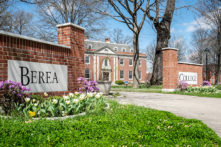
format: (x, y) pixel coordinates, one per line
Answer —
(201, 89)
(143, 85)
(121, 125)
(55, 106)
(218, 87)
(119, 82)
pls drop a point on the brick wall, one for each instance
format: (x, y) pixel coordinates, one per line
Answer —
(171, 69)
(69, 51)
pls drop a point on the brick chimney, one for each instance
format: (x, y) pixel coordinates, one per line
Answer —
(107, 40)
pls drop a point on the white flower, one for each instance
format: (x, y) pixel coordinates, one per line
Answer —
(34, 100)
(82, 96)
(36, 104)
(94, 93)
(75, 101)
(68, 102)
(54, 101)
(45, 94)
(101, 94)
(97, 96)
(71, 94)
(89, 95)
(66, 97)
(27, 99)
(76, 93)
(39, 112)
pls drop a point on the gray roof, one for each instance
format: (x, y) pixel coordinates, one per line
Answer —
(99, 44)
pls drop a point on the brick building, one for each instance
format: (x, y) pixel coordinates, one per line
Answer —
(111, 61)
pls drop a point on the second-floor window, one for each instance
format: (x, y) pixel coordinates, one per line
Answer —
(87, 59)
(130, 62)
(121, 61)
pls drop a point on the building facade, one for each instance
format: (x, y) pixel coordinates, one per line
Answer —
(111, 62)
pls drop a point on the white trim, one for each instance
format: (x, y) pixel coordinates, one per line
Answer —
(106, 42)
(170, 48)
(94, 67)
(168, 90)
(190, 63)
(70, 24)
(32, 39)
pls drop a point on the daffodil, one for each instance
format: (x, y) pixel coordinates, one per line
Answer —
(34, 100)
(27, 99)
(76, 93)
(45, 94)
(66, 97)
(89, 95)
(35, 104)
(54, 101)
(31, 113)
(82, 96)
(97, 96)
(71, 94)
(75, 101)
(68, 102)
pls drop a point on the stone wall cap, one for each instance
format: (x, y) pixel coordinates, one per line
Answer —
(70, 24)
(170, 48)
(32, 39)
(190, 63)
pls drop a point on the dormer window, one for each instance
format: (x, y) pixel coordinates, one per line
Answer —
(115, 48)
(89, 46)
(124, 50)
(131, 51)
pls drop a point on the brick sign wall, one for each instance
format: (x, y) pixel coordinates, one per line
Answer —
(31, 55)
(174, 71)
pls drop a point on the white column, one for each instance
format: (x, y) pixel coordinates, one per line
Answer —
(94, 66)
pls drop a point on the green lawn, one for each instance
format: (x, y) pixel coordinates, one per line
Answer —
(158, 89)
(120, 125)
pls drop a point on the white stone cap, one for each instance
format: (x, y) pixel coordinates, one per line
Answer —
(168, 90)
(190, 63)
(170, 48)
(32, 39)
(70, 24)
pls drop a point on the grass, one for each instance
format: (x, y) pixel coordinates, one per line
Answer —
(158, 89)
(120, 125)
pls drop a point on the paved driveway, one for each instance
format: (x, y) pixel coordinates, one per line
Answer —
(206, 109)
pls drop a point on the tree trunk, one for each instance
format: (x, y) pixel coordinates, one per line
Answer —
(136, 60)
(217, 75)
(163, 36)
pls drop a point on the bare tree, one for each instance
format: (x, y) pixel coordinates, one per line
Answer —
(127, 12)
(161, 20)
(211, 12)
(118, 37)
(150, 52)
(5, 16)
(179, 43)
(80, 12)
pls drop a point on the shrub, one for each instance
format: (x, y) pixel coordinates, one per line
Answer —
(119, 82)
(206, 83)
(201, 89)
(14, 94)
(143, 85)
(183, 85)
(88, 86)
(55, 106)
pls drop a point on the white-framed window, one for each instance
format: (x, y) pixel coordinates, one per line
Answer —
(139, 72)
(130, 62)
(87, 73)
(87, 60)
(121, 74)
(115, 48)
(121, 61)
(124, 50)
(130, 74)
(131, 50)
(89, 46)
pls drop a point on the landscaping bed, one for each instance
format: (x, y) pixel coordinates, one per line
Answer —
(121, 125)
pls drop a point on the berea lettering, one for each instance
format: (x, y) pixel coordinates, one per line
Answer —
(37, 77)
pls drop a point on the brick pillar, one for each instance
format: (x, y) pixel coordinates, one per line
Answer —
(170, 75)
(73, 35)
